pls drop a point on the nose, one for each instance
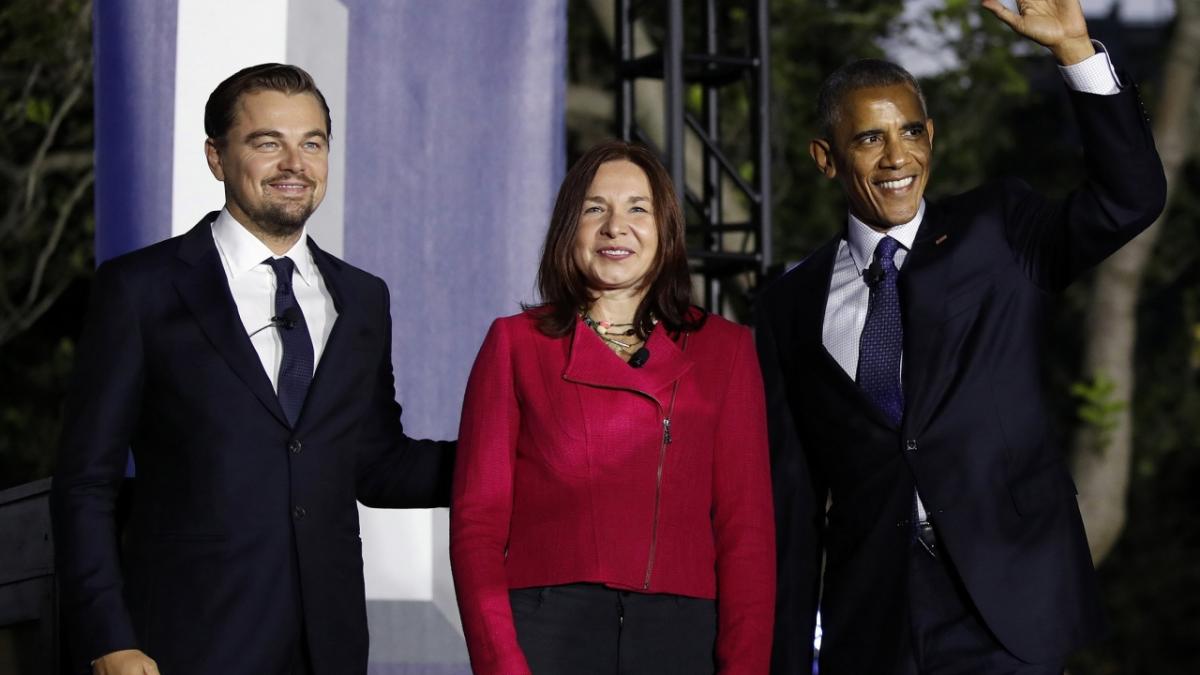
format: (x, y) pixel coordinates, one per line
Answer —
(611, 227)
(291, 161)
(895, 155)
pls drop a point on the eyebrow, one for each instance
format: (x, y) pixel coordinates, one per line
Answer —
(261, 133)
(909, 126)
(601, 200)
(866, 132)
(273, 133)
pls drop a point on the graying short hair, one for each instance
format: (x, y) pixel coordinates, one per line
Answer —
(862, 74)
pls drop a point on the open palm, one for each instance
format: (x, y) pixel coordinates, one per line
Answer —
(1049, 23)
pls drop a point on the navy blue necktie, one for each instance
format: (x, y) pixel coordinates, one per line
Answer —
(882, 339)
(296, 367)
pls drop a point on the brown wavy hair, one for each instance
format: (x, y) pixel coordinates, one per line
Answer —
(221, 110)
(562, 284)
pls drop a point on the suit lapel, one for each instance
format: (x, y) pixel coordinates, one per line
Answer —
(202, 285)
(923, 285)
(333, 358)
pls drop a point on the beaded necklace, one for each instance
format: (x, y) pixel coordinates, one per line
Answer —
(609, 333)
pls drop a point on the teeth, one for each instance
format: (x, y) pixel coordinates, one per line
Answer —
(897, 184)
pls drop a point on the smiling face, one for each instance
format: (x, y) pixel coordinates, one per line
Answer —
(617, 239)
(880, 150)
(274, 161)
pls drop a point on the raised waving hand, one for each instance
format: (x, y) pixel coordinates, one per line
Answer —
(1057, 25)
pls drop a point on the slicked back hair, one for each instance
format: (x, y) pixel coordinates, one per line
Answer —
(862, 74)
(563, 286)
(221, 110)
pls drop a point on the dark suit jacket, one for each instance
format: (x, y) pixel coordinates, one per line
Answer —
(243, 533)
(974, 438)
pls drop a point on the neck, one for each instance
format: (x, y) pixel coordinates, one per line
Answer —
(882, 228)
(278, 245)
(617, 306)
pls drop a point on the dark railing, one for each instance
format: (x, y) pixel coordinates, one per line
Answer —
(28, 595)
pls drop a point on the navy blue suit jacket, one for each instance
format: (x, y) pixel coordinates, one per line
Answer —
(243, 532)
(974, 437)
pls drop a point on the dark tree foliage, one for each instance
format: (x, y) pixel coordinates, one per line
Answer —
(46, 220)
(1151, 580)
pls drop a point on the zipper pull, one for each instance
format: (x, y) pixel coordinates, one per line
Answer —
(666, 431)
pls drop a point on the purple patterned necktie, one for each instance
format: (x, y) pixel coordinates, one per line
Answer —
(296, 366)
(882, 338)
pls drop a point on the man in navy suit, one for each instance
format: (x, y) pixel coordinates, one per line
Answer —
(919, 501)
(250, 373)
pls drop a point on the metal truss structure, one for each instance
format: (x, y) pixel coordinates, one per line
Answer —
(727, 201)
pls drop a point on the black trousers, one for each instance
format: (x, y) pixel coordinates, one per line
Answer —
(589, 629)
(948, 636)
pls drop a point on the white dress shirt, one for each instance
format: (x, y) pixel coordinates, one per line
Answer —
(846, 307)
(252, 283)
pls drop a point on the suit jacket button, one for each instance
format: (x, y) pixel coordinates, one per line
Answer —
(911, 445)
(299, 512)
(294, 446)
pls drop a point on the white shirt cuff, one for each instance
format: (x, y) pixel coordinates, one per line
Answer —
(1093, 75)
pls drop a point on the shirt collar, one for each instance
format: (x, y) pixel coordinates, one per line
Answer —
(244, 251)
(863, 239)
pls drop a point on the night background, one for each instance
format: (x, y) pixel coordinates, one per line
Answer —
(1125, 366)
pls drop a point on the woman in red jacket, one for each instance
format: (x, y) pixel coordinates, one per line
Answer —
(612, 507)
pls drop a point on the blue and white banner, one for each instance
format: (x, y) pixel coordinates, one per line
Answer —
(447, 149)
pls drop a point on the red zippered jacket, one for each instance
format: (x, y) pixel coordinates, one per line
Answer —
(567, 472)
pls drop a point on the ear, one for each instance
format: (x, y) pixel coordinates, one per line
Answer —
(818, 149)
(213, 154)
(929, 131)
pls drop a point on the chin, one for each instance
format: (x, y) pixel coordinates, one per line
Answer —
(284, 221)
(896, 219)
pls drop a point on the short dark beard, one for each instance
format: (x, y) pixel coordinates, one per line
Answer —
(277, 220)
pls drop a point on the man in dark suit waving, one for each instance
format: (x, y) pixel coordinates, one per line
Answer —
(250, 373)
(902, 365)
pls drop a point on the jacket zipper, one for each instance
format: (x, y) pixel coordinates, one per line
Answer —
(662, 456)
